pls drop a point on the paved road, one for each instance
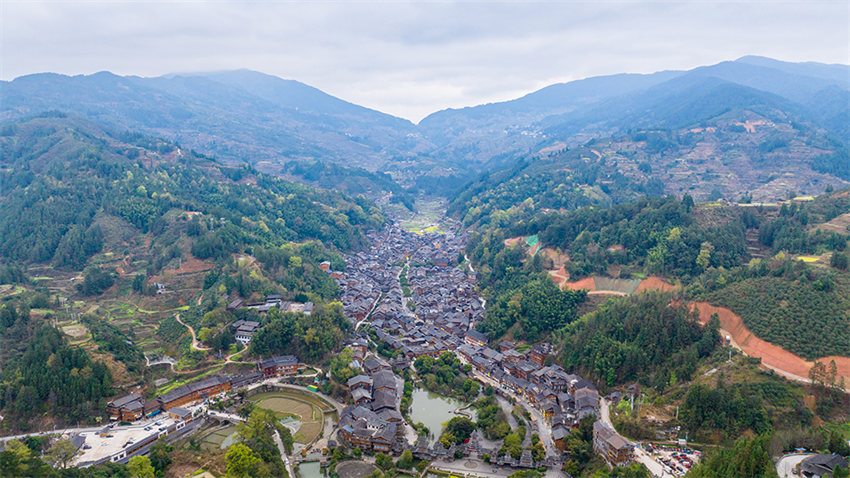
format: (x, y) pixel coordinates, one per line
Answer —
(507, 408)
(606, 415)
(283, 456)
(225, 416)
(786, 464)
(640, 456)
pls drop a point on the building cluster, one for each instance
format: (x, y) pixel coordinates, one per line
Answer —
(133, 406)
(562, 398)
(244, 330)
(374, 422)
(446, 309)
(441, 292)
(446, 297)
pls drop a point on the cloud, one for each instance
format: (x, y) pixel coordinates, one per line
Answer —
(412, 58)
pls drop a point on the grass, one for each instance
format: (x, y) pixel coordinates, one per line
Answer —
(808, 259)
(9, 290)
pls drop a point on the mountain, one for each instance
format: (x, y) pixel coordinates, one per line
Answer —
(246, 116)
(572, 113)
(125, 230)
(63, 179)
(238, 116)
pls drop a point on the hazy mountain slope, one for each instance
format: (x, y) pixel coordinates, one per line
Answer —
(746, 147)
(268, 121)
(572, 113)
(238, 116)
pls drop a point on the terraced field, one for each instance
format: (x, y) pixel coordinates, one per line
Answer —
(219, 439)
(286, 405)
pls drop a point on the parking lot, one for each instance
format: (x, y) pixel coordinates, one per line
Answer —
(670, 461)
(113, 439)
(110, 441)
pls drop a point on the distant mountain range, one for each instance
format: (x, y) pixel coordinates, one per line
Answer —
(246, 116)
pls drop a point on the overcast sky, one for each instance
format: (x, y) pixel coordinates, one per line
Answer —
(413, 58)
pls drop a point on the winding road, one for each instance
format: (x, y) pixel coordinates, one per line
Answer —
(194, 338)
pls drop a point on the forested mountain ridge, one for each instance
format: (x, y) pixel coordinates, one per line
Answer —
(236, 116)
(244, 116)
(575, 112)
(61, 174)
(124, 230)
(757, 154)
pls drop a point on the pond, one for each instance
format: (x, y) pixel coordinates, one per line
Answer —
(433, 410)
(310, 469)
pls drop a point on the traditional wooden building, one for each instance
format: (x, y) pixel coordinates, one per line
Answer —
(191, 392)
(615, 449)
(280, 365)
(128, 408)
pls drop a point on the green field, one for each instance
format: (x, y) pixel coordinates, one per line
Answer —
(428, 217)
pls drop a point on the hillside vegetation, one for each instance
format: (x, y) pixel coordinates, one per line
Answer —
(641, 337)
(801, 310)
(123, 230)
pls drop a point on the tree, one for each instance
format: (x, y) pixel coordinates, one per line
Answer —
(385, 462)
(704, 257)
(15, 459)
(839, 260)
(405, 461)
(61, 453)
(256, 433)
(242, 462)
(746, 457)
(687, 202)
(461, 428)
(140, 467)
(160, 458)
(837, 444)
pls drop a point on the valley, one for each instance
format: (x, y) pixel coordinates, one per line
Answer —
(629, 275)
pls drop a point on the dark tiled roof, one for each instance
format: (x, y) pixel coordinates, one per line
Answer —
(126, 400)
(193, 387)
(278, 361)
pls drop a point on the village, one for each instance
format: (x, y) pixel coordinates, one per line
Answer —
(416, 297)
(409, 296)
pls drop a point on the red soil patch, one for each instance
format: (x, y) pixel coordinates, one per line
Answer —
(654, 283)
(772, 356)
(559, 275)
(512, 241)
(587, 283)
(191, 265)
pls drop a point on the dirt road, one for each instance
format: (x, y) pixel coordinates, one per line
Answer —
(772, 356)
(194, 338)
